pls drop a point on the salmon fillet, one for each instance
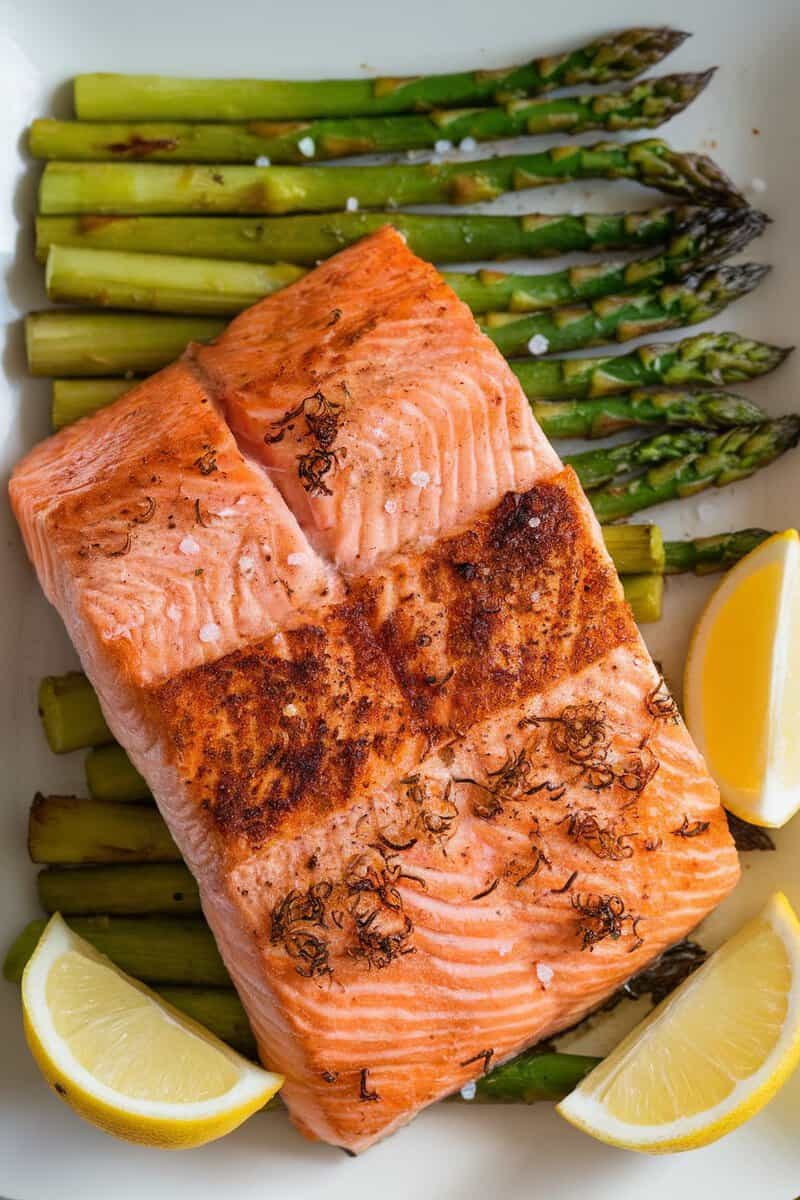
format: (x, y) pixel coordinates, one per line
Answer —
(437, 799)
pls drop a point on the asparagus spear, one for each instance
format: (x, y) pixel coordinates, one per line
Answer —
(707, 359)
(180, 284)
(70, 713)
(167, 889)
(76, 398)
(644, 105)
(63, 829)
(625, 316)
(439, 237)
(530, 1077)
(645, 594)
(62, 342)
(604, 415)
(140, 188)
(724, 458)
(68, 342)
(597, 467)
(173, 950)
(635, 549)
(622, 55)
(708, 554)
(110, 775)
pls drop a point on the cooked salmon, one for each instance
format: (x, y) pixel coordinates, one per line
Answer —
(358, 629)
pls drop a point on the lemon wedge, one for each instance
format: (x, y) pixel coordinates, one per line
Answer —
(742, 683)
(125, 1060)
(711, 1055)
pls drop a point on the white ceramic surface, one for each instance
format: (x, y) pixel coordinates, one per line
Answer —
(748, 120)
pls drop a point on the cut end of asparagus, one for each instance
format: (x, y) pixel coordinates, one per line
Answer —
(645, 594)
(70, 713)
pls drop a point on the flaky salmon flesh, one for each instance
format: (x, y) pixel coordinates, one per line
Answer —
(357, 628)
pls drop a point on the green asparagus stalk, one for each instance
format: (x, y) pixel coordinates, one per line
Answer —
(625, 316)
(76, 398)
(156, 950)
(180, 284)
(623, 55)
(529, 1078)
(724, 458)
(67, 342)
(110, 775)
(595, 468)
(707, 359)
(141, 188)
(143, 281)
(645, 594)
(70, 713)
(438, 237)
(706, 555)
(63, 829)
(604, 415)
(644, 105)
(165, 889)
(63, 342)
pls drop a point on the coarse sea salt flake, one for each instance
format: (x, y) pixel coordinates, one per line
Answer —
(246, 564)
(351, 203)
(535, 597)
(544, 974)
(538, 344)
(295, 559)
(209, 632)
(758, 185)
(535, 522)
(174, 613)
(390, 506)
(469, 144)
(420, 479)
(442, 146)
(189, 545)
(307, 147)
(468, 1090)
(263, 161)
(290, 710)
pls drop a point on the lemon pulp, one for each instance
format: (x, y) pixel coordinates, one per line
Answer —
(120, 1036)
(737, 679)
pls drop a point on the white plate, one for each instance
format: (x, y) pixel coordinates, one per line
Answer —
(453, 1151)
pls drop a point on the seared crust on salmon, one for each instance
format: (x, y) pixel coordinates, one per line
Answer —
(359, 631)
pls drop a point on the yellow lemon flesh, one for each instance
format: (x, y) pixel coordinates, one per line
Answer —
(711, 1055)
(742, 683)
(125, 1060)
